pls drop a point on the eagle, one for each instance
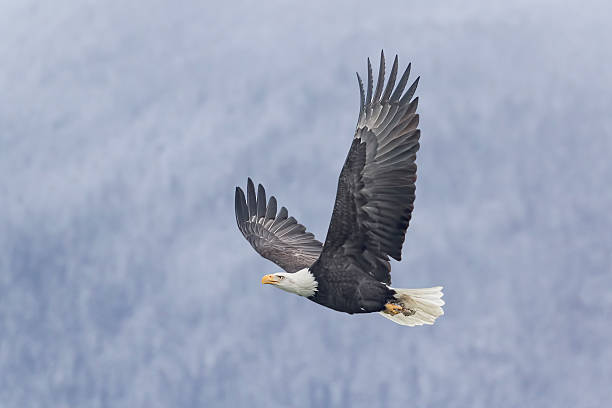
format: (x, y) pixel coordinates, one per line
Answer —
(351, 271)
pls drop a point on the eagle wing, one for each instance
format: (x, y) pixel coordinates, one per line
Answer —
(376, 188)
(277, 237)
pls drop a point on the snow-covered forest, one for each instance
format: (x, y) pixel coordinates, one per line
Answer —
(125, 127)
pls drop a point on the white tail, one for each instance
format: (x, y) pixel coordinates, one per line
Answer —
(421, 306)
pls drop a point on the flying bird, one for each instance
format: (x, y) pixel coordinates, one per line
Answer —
(351, 272)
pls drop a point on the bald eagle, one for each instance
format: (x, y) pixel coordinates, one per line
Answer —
(374, 201)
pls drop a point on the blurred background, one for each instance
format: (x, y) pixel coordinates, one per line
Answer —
(125, 127)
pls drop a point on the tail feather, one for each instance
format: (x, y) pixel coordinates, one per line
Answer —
(421, 306)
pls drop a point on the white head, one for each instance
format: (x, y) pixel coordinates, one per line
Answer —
(301, 282)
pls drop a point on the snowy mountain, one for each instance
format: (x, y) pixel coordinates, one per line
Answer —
(124, 129)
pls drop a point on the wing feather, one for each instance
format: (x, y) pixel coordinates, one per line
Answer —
(370, 83)
(361, 93)
(376, 188)
(277, 237)
(381, 77)
(261, 202)
(271, 209)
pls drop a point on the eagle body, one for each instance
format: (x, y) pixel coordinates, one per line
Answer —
(349, 290)
(351, 271)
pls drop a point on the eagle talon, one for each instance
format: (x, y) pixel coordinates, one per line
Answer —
(393, 309)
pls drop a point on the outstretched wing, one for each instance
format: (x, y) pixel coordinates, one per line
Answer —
(276, 237)
(376, 189)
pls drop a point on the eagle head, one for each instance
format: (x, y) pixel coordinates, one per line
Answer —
(301, 282)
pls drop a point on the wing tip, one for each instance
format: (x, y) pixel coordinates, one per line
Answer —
(241, 209)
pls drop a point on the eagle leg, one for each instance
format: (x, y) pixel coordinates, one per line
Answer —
(393, 309)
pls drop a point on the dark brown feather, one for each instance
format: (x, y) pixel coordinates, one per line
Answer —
(276, 237)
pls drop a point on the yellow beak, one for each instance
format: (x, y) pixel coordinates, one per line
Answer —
(269, 279)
